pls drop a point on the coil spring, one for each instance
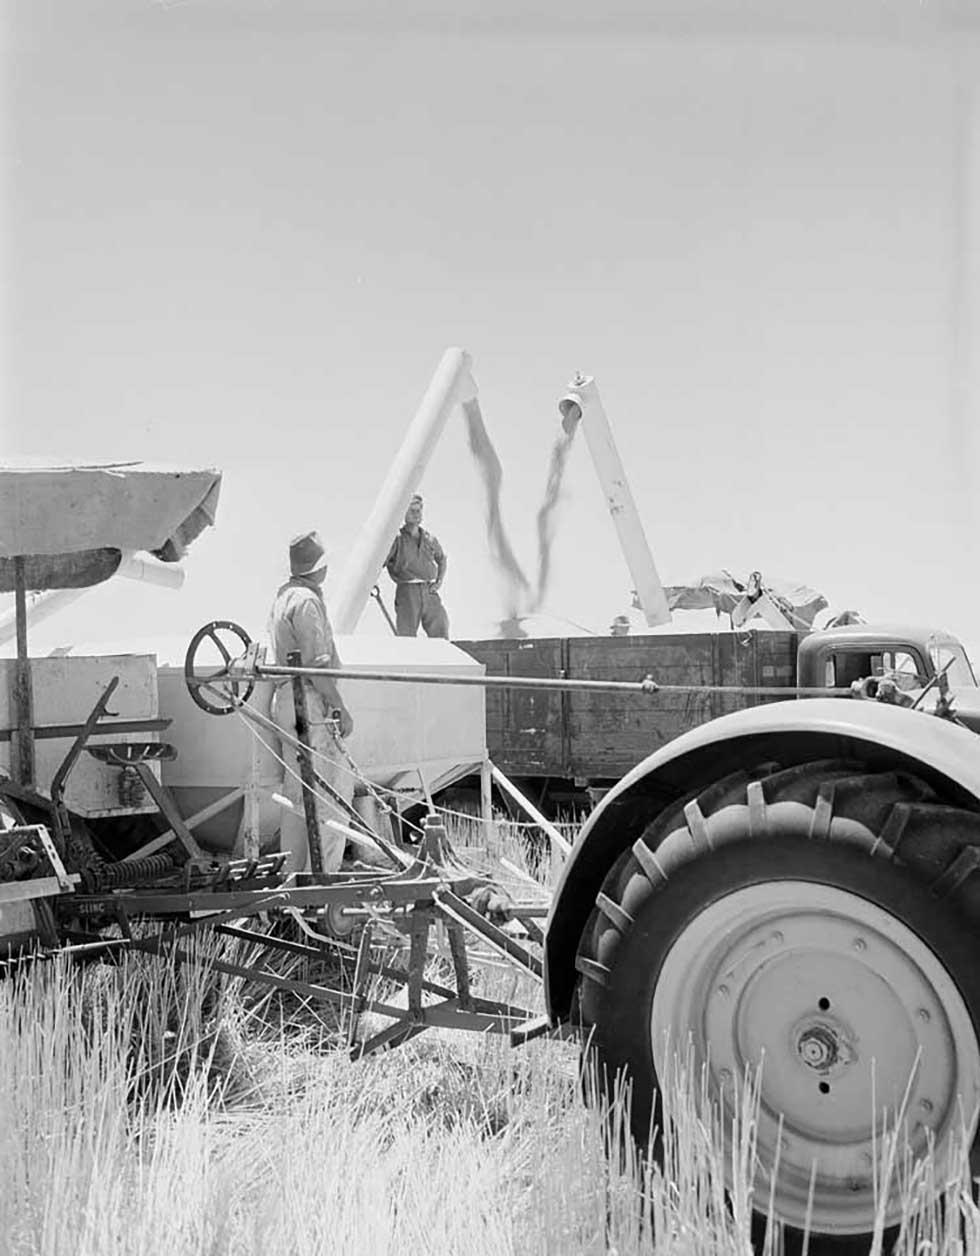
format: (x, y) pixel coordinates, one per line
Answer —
(132, 872)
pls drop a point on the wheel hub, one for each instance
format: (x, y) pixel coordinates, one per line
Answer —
(848, 1018)
(825, 1046)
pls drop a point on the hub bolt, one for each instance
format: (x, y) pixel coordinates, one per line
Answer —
(818, 1047)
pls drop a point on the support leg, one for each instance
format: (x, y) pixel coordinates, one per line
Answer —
(457, 946)
(486, 792)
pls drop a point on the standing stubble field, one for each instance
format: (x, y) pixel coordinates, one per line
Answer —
(161, 1112)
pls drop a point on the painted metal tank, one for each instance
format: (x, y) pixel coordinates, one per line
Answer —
(400, 729)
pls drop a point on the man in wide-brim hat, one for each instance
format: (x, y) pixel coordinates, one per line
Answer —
(299, 623)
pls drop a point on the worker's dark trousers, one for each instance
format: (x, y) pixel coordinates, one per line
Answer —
(417, 604)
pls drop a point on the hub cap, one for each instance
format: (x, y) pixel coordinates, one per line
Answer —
(852, 1020)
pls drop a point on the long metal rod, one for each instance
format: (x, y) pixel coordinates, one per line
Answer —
(556, 838)
(650, 687)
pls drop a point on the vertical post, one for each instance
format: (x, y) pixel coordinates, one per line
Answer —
(451, 384)
(23, 687)
(457, 948)
(486, 795)
(295, 659)
(419, 945)
(582, 403)
(249, 835)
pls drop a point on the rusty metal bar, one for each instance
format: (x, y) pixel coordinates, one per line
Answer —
(392, 1036)
(212, 903)
(168, 809)
(456, 909)
(398, 975)
(164, 839)
(419, 936)
(53, 732)
(59, 812)
(157, 946)
(78, 745)
(457, 948)
(359, 983)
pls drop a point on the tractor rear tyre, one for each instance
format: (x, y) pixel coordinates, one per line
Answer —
(817, 925)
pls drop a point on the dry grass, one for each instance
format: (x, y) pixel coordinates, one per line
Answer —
(107, 1147)
(149, 1110)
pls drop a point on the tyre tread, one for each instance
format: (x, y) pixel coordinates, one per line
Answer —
(892, 815)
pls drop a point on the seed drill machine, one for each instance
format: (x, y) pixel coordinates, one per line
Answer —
(791, 889)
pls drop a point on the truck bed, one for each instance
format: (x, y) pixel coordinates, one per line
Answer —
(597, 737)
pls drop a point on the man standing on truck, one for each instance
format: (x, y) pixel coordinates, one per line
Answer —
(299, 623)
(417, 564)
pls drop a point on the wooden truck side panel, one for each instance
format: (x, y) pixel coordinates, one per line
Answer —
(596, 736)
(526, 729)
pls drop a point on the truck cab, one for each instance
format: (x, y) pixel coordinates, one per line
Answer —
(910, 656)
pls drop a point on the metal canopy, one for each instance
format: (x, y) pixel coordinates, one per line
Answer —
(70, 524)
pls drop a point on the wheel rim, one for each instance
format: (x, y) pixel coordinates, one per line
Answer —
(849, 1014)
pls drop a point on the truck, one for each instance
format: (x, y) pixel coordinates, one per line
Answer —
(567, 748)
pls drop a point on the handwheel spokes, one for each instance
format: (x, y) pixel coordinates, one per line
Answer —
(234, 691)
(224, 652)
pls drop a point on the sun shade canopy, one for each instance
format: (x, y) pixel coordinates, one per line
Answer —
(72, 524)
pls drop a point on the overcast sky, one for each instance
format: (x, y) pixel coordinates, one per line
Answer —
(242, 235)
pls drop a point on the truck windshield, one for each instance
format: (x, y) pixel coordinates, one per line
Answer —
(959, 672)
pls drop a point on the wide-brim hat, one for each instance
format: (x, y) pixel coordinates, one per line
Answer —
(306, 554)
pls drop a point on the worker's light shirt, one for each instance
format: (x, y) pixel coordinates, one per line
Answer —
(415, 557)
(299, 621)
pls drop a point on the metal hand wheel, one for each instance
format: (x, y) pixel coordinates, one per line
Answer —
(222, 681)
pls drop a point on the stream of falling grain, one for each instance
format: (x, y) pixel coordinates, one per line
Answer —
(519, 597)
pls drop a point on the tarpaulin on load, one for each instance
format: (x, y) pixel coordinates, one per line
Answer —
(722, 592)
(72, 523)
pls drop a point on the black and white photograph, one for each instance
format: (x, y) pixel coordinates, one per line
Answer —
(490, 628)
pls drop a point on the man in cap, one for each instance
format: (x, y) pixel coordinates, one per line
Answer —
(417, 564)
(299, 622)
